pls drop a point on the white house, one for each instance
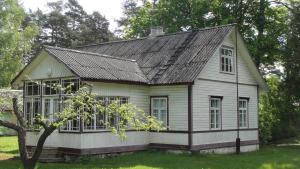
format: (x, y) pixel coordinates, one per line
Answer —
(202, 84)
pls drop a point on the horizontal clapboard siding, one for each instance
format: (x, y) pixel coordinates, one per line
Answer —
(178, 104)
(221, 137)
(44, 64)
(212, 68)
(138, 95)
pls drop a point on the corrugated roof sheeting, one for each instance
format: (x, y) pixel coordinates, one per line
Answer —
(190, 52)
(96, 66)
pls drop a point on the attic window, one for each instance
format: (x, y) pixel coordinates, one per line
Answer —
(227, 62)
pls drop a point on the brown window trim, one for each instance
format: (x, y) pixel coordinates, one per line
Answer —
(248, 100)
(162, 96)
(221, 112)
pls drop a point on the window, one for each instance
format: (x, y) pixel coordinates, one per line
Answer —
(48, 103)
(70, 85)
(99, 120)
(50, 87)
(32, 109)
(32, 89)
(227, 60)
(71, 125)
(243, 112)
(215, 113)
(50, 107)
(159, 108)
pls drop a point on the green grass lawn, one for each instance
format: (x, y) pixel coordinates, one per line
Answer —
(270, 157)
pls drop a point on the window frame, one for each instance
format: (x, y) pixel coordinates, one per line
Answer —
(32, 101)
(94, 118)
(62, 82)
(39, 98)
(32, 83)
(227, 57)
(220, 99)
(167, 108)
(246, 125)
(44, 87)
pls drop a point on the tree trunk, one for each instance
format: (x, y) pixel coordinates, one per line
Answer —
(39, 147)
(260, 29)
(22, 146)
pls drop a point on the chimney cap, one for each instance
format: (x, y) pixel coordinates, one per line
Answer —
(156, 31)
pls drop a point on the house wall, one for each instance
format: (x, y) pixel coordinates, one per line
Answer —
(212, 68)
(212, 82)
(178, 104)
(89, 140)
(44, 64)
(139, 96)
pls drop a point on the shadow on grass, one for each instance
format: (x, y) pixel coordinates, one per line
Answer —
(9, 151)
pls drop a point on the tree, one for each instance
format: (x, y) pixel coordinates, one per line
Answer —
(269, 110)
(81, 105)
(291, 58)
(96, 29)
(57, 26)
(69, 25)
(15, 39)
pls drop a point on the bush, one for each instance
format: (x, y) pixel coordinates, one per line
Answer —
(278, 114)
(267, 119)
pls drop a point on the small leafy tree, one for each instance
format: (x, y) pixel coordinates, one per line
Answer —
(80, 105)
(268, 110)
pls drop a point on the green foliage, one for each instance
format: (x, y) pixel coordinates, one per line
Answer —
(278, 113)
(15, 39)
(269, 112)
(68, 25)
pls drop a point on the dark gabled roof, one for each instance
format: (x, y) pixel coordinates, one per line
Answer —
(94, 66)
(168, 59)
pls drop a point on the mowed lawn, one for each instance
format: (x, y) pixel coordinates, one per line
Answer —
(269, 157)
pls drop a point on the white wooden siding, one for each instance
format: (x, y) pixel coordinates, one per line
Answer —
(223, 136)
(202, 89)
(138, 95)
(56, 139)
(46, 63)
(98, 140)
(178, 104)
(212, 68)
(88, 140)
(168, 138)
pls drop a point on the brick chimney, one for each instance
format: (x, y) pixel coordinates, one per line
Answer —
(156, 31)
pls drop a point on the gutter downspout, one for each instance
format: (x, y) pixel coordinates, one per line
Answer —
(238, 140)
(190, 117)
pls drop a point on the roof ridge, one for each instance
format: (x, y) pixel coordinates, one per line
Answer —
(168, 34)
(90, 53)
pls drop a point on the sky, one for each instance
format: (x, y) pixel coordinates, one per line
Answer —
(111, 9)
